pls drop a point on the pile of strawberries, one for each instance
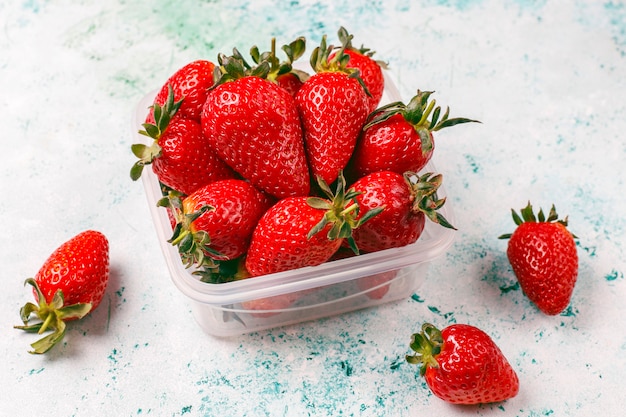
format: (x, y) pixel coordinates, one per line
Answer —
(267, 168)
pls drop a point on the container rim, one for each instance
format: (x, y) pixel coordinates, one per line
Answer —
(433, 242)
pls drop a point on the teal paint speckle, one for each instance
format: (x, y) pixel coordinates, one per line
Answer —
(36, 371)
(614, 275)
(448, 316)
(617, 17)
(417, 298)
(471, 161)
(569, 312)
(508, 288)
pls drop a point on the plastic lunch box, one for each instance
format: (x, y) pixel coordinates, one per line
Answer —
(329, 289)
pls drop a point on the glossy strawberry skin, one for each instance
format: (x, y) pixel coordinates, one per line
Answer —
(391, 145)
(372, 75)
(237, 207)
(191, 83)
(79, 268)
(187, 162)
(289, 82)
(253, 125)
(397, 225)
(333, 108)
(280, 242)
(544, 259)
(472, 369)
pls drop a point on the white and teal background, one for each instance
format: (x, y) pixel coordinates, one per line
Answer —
(546, 78)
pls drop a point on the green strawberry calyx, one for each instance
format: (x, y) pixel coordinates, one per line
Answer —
(194, 246)
(528, 216)
(346, 41)
(425, 199)
(52, 316)
(426, 345)
(223, 271)
(417, 113)
(321, 61)
(162, 116)
(293, 51)
(235, 66)
(342, 211)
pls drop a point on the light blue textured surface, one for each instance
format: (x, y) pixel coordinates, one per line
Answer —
(548, 81)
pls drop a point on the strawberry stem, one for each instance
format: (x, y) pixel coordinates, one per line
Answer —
(162, 116)
(194, 246)
(426, 344)
(51, 315)
(416, 113)
(342, 210)
(424, 191)
(528, 216)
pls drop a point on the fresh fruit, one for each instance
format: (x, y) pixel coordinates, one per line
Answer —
(283, 73)
(406, 201)
(304, 231)
(462, 365)
(69, 285)
(333, 106)
(253, 125)
(373, 286)
(376, 286)
(270, 306)
(399, 137)
(216, 221)
(370, 70)
(191, 84)
(180, 156)
(542, 253)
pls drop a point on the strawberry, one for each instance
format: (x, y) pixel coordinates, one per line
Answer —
(283, 73)
(407, 200)
(304, 231)
(542, 253)
(372, 285)
(462, 365)
(216, 221)
(69, 285)
(191, 83)
(333, 106)
(180, 156)
(370, 70)
(270, 306)
(376, 286)
(253, 125)
(399, 137)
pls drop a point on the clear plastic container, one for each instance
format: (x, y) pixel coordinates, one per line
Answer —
(303, 294)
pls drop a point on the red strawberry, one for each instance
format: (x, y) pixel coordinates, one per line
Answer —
(180, 156)
(69, 285)
(370, 70)
(303, 231)
(283, 73)
(462, 365)
(407, 200)
(376, 286)
(399, 137)
(373, 285)
(191, 84)
(253, 125)
(216, 221)
(542, 253)
(333, 106)
(270, 306)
